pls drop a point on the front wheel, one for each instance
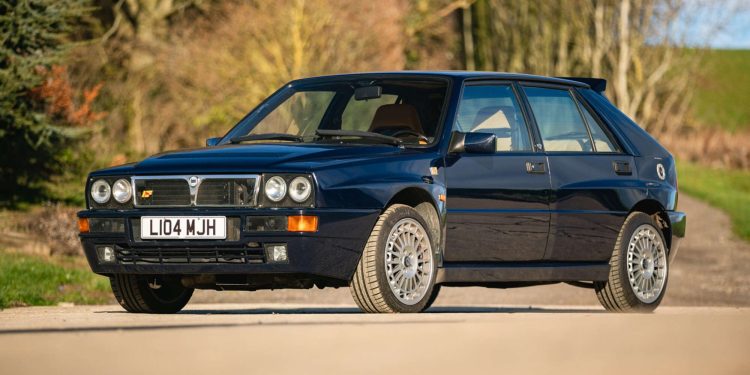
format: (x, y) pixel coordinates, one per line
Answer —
(638, 268)
(150, 294)
(396, 273)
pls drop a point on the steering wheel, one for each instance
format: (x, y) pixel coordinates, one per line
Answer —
(412, 133)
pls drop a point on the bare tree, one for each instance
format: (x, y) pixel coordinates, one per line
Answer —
(626, 41)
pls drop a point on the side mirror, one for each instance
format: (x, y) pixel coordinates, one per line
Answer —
(211, 142)
(472, 143)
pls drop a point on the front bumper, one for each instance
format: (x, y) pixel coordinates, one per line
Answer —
(678, 225)
(332, 252)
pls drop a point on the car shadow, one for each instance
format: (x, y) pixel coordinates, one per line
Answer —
(403, 319)
(324, 310)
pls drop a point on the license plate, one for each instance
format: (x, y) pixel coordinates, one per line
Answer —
(184, 227)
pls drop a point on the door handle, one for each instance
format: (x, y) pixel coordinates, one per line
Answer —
(535, 167)
(622, 168)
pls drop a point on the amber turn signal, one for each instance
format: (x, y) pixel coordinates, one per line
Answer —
(83, 225)
(302, 223)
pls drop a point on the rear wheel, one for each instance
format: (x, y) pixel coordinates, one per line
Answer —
(638, 269)
(397, 270)
(150, 294)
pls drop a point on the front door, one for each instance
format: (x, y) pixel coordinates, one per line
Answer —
(498, 204)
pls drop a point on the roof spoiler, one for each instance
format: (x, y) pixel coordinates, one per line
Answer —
(596, 84)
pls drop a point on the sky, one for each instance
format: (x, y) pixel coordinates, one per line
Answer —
(716, 24)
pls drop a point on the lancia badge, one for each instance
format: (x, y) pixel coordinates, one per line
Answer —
(193, 181)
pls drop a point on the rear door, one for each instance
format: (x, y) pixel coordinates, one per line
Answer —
(497, 203)
(593, 181)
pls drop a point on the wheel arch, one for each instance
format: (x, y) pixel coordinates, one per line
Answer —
(423, 202)
(656, 210)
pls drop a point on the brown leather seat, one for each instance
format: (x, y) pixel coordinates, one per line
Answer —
(396, 115)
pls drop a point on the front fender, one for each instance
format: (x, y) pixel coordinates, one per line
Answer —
(374, 183)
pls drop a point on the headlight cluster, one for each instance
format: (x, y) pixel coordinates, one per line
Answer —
(120, 190)
(298, 189)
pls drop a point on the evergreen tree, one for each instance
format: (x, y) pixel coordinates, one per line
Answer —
(33, 146)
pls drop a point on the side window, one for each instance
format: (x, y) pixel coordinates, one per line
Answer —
(602, 142)
(358, 114)
(559, 120)
(494, 109)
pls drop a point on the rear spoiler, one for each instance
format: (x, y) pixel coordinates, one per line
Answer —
(596, 84)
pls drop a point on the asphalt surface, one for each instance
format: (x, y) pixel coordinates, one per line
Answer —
(304, 339)
(547, 329)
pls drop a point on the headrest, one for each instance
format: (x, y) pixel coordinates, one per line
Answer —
(396, 115)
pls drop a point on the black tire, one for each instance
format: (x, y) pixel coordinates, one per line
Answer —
(369, 286)
(136, 296)
(433, 296)
(617, 294)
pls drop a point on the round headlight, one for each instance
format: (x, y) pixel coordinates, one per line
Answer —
(275, 188)
(121, 190)
(300, 189)
(101, 191)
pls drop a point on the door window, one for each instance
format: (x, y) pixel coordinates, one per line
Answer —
(494, 109)
(559, 120)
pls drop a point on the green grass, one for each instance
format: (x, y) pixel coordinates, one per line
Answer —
(28, 280)
(722, 95)
(728, 190)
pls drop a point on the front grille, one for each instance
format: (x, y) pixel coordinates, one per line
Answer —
(226, 192)
(199, 191)
(191, 255)
(150, 193)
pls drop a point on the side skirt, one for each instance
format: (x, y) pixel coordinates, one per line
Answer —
(537, 272)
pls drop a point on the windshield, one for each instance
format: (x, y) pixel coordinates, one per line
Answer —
(348, 111)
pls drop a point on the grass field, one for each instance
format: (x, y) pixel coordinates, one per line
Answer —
(722, 98)
(30, 280)
(728, 190)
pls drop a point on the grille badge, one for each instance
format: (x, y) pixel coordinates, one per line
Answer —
(193, 181)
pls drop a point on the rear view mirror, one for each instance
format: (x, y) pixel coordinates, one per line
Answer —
(211, 142)
(472, 143)
(367, 92)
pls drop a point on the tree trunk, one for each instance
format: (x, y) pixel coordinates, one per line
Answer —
(623, 60)
(468, 38)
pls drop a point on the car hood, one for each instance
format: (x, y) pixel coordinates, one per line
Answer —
(256, 158)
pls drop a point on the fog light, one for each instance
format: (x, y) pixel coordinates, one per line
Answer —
(276, 253)
(105, 254)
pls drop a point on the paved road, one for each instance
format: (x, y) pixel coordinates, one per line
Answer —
(303, 339)
(548, 329)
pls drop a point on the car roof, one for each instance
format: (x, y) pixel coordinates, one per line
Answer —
(455, 74)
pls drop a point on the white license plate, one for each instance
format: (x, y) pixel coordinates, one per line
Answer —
(184, 227)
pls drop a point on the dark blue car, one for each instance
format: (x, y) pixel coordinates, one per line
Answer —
(395, 185)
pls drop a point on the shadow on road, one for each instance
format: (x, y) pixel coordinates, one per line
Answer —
(353, 310)
(445, 311)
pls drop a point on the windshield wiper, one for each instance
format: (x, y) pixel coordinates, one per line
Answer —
(357, 133)
(267, 137)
